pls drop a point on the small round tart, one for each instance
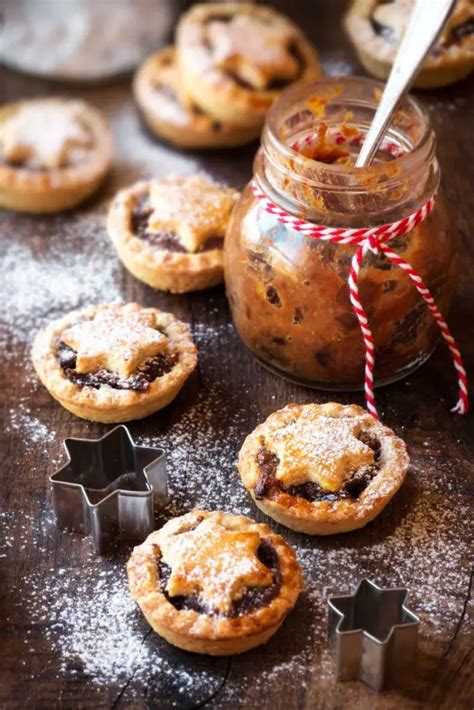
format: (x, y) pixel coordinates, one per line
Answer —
(214, 583)
(170, 233)
(53, 154)
(376, 28)
(234, 59)
(171, 117)
(322, 469)
(113, 363)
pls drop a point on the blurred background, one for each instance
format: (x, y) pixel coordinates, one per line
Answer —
(93, 40)
(83, 40)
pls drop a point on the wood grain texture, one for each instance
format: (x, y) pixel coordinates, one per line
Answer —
(423, 539)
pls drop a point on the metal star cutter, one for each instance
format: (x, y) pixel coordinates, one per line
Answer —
(108, 487)
(373, 634)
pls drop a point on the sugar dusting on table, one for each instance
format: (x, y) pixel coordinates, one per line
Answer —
(92, 624)
(22, 419)
(88, 619)
(36, 289)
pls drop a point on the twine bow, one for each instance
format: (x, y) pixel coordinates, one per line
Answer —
(375, 239)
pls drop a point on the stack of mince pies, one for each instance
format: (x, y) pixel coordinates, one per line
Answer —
(230, 62)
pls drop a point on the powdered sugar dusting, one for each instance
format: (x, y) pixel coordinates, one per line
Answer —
(116, 338)
(93, 626)
(195, 209)
(42, 280)
(21, 419)
(201, 460)
(422, 553)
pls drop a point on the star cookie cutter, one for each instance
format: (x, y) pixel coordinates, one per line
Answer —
(373, 634)
(108, 487)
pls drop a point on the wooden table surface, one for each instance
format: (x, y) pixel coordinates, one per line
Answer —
(70, 636)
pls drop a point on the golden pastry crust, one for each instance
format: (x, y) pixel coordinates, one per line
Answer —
(199, 631)
(449, 62)
(105, 403)
(168, 116)
(52, 188)
(161, 268)
(341, 514)
(234, 59)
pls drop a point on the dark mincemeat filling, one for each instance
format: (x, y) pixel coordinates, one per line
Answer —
(22, 164)
(457, 34)
(267, 484)
(168, 92)
(139, 382)
(253, 598)
(168, 241)
(215, 17)
(460, 31)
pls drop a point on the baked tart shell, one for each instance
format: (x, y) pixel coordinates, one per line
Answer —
(106, 404)
(57, 189)
(158, 268)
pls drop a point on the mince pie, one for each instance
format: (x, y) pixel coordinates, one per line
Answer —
(322, 469)
(113, 363)
(234, 59)
(214, 583)
(377, 26)
(169, 115)
(170, 233)
(53, 154)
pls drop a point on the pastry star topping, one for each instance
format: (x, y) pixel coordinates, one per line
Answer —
(116, 340)
(256, 51)
(194, 209)
(319, 449)
(217, 563)
(47, 132)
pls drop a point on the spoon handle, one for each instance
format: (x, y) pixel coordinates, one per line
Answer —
(424, 25)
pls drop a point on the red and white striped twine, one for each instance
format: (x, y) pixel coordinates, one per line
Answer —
(374, 239)
(387, 145)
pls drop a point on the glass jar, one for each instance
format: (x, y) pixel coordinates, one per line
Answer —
(288, 292)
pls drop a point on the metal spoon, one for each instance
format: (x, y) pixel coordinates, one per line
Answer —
(424, 25)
